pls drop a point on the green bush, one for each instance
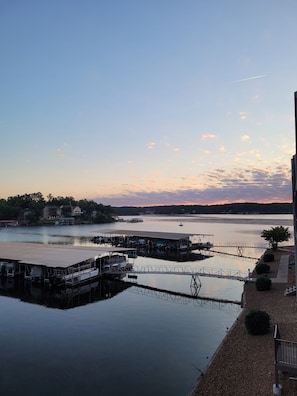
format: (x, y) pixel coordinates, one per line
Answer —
(257, 322)
(263, 283)
(262, 268)
(268, 257)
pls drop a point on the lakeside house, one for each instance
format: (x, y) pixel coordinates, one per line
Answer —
(53, 212)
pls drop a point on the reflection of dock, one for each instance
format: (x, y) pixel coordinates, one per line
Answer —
(157, 292)
(195, 275)
(183, 256)
(61, 298)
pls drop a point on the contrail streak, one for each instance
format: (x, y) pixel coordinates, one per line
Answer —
(248, 78)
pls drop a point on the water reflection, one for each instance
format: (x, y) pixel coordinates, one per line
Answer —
(180, 298)
(148, 340)
(61, 298)
(172, 256)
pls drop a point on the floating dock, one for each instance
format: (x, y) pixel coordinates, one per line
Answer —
(151, 240)
(60, 264)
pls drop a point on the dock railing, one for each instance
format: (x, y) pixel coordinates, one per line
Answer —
(285, 355)
(211, 272)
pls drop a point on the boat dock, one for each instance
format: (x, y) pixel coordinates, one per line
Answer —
(61, 264)
(151, 241)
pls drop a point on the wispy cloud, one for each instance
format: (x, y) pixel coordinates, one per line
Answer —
(151, 145)
(205, 136)
(60, 151)
(244, 138)
(249, 78)
(243, 115)
(236, 185)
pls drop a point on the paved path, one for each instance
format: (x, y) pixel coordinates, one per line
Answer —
(283, 270)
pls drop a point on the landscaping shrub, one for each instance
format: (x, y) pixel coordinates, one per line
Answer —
(262, 268)
(268, 257)
(257, 322)
(263, 283)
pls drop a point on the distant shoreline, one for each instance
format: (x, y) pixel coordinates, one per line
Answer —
(233, 208)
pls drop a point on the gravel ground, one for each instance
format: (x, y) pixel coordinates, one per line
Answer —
(244, 364)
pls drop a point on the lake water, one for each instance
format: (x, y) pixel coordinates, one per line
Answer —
(111, 339)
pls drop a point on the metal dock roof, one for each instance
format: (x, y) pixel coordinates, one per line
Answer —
(176, 236)
(55, 256)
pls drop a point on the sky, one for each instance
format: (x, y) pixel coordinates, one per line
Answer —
(140, 103)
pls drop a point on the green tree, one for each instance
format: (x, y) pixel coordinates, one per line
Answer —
(26, 207)
(275, 235)
(104, 214)
(7, 212)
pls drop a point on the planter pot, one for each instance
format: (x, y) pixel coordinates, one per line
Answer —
(277, 389)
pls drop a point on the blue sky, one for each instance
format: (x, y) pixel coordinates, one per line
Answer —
(148, 102)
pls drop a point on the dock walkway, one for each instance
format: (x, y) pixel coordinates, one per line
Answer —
(209, 272)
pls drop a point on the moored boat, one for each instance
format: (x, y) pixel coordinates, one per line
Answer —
(135, 220)
(62, 265)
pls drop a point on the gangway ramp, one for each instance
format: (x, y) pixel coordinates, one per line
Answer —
(186, 270)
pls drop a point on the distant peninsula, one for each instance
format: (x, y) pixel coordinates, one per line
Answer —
(232, 208)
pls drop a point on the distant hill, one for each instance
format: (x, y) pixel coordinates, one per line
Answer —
(233, 208)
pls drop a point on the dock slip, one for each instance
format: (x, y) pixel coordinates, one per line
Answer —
(60, 264)
(153, 240)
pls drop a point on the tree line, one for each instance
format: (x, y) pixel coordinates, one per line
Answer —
(232, 208)
(28, 209)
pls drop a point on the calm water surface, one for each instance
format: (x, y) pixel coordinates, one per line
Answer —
(110, 339)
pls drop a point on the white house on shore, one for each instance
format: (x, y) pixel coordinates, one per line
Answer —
(76, 211)
(52, 212)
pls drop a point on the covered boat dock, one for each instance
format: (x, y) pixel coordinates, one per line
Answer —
(171, 241)
(52, 263)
